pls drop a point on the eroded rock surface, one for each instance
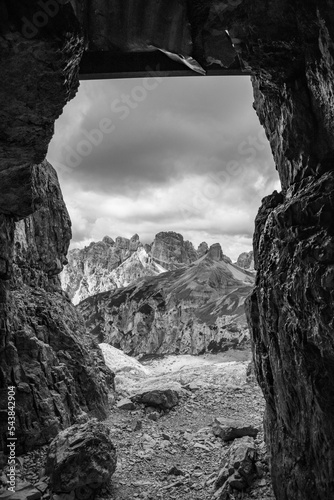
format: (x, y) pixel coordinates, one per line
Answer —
(246, 260)
(81, 459)
(58, 373)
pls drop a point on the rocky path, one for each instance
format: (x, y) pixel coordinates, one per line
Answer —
(174, 454)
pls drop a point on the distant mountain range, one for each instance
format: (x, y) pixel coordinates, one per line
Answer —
(162, 298)
(109, 264)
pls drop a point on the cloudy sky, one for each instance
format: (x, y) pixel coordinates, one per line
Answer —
(178, 154)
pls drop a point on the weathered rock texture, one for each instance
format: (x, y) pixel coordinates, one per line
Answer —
(290, 311)
(246, 260)
(105, 265)
(56, 371)
(81, 459)
(191, 310)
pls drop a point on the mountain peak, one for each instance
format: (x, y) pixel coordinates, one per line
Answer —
(215, 252)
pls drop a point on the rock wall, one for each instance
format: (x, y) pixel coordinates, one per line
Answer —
(57, 370)
(290, 310)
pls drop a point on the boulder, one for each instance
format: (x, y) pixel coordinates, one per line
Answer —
(238, 468)
(228, 430)
(81, 457)
(126, 404)
(159, 395)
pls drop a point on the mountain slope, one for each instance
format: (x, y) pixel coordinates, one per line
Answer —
(191, 310)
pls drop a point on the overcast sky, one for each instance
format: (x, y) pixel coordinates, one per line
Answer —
(178, 154)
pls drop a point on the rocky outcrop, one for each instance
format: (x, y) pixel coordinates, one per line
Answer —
(290, 310)
(81, 459)
(57, 372)
(106, 265)
(189, 310)
(170, 250)
(46, 49)
(246, 260)
(202, 249)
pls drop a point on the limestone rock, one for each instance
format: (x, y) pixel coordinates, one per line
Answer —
(56, 370)
(169, 250)
(106, 265)
(192, 310)
(81, 456)
(228, 430)
(202, 249)
(246, 260)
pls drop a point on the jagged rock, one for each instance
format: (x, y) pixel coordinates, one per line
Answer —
(202, 249)
(215, 252)
(239, 468)
(164, 396)
(170, 249)
(191, 310)
(228, 430)
(57, 372)
(108, 265)
(105, 266)
(81, 456)
(246, 260)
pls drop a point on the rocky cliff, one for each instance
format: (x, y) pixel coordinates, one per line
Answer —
(105, 265)
(108, 264)
(195, 309)
(246, 261)
(58, 372)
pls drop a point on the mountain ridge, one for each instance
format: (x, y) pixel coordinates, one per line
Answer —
(194, 309)
(111, 264)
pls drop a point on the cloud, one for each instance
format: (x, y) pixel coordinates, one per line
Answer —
(188, 155)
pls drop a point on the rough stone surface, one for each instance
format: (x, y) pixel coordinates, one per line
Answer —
(48, 57)
(164, 396)
(191, 310)
(246, 260)
(238, 468)
(228, 430)
(81, 456)
(44, 351)
(170, 249)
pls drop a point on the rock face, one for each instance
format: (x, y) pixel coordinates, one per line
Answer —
(57, 372)
(108, 265)
(189, 310)
(290, 310)
(246, 260)
(169, 250)
(81, 459)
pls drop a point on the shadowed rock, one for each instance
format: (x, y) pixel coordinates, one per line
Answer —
(81, 457)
